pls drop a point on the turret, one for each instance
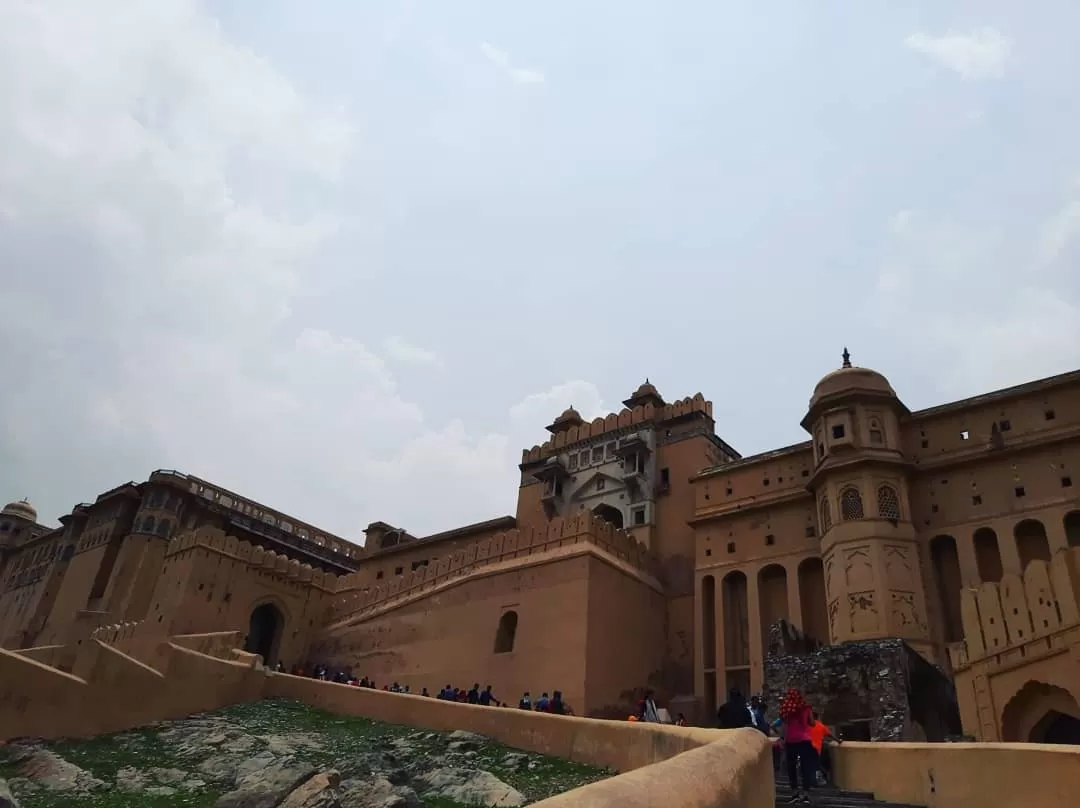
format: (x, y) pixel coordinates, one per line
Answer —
(869, 544)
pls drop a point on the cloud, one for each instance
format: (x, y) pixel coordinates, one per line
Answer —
(1061, 231)
(500, 58)
(165, 196)
(981, 54)
(583, 396)
(402, 351)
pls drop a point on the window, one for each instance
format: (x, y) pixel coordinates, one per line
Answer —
(1019, 491)
(148, 524)
(1066, 482)
(925, 443)
(639, 516)
(398, 570)
(1005, 425)
(506, 633)
(599, 483)
(597, 454)
(826, 517)
(665, 477)
(851, 506)
(838, 431)
(708, 552)
(610, 450)
(888, 503)
(728, 491)
(876, 436)
(765, 482)
(1049, 415)
(810, 532)
(584, 458)
(806, 472)
(418, 564)
(378, 575)
(770, 539)
(731, 547)
(571, 463)
(934, 508)
(976, 499)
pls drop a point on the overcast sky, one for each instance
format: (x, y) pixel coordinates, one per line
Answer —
(349, 258)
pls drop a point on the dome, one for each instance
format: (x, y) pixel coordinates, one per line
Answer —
(569, 418)
(851, 379)
(647, 389)
(645, 394)
(22, 509)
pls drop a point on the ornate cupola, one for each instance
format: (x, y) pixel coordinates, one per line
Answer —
(645, 394)
(568, 420)
(869, 545)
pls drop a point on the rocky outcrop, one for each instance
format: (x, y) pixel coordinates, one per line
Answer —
(6, 799)
(285, 755)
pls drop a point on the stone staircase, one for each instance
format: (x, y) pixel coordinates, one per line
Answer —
(829, 797)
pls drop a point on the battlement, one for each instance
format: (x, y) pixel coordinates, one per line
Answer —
(256, 557)
(1005, 619)
(352, 600)
(645, 414)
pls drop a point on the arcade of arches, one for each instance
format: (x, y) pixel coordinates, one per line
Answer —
(989, 558)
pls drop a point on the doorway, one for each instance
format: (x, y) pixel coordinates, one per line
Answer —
(264, 632)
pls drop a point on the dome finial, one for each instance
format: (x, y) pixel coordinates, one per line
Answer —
(846, 357)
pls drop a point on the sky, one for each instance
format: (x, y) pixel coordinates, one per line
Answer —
(349, 259)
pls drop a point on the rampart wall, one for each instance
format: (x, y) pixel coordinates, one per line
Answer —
(648, 413)
(354, 603)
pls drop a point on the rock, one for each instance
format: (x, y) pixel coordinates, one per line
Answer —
(160, 791)
(377, 793)
(469, 787)
(514, 760)
(51, 771)
(225, 769)
(266, 787)
(130, 779)
(6, 800)
(462, 735)
(318, 792)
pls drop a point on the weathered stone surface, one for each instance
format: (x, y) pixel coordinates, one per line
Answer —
(378, 793)
(318, 792)
(469, 788)
(50, 771)
(879, 690)
(267, 787)
(6, 799)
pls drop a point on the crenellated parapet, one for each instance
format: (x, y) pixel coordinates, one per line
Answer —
(1001, 619)
(277, 564)
(354, 600)
(648, 413)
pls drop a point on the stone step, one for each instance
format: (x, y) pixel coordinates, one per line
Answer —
(830, 797)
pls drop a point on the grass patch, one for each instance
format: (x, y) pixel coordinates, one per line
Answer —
(324, 740)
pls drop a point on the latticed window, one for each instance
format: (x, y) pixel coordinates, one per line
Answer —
(826, 519)
(888, 503)
(850, 504)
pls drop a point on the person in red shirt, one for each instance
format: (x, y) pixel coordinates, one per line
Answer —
(799, 750)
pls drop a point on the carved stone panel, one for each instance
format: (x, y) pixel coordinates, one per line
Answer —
(906, 614)
(900, 572)
(863, 612)
(858, 569)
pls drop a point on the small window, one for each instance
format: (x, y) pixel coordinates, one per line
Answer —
(610, 450)
(708, 552)
(888, 503)
(378, 575)
(925, 443)
(506, 633)
(599, 483)
(965, 435)
(934, 508)
(821, 450)
(665, 477)
(806, 472)
(1066, 482)
(1049, 415)
(728, 491)
(1005, 425)
(838, 432)
(1019, 491)
(876, 438)
(810, 532)
(571, 462)
(598, 454)
(770, 539)
(639, 516)
(765, 482)
(399, 570)
(731, 547)
(976, 499)
(851, 506)
(584, 458)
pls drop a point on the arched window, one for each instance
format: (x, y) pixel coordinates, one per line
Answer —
(505, 634)
(851, 504)
(148, 524)
(826, 518)
(888, 503)
(164, 528)
(877, 435)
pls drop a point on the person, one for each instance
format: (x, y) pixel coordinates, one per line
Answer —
(543, 703)
(487, 698)
(757, 715)
(798, 749)
(425, 694)
(647, 710)
(526, 702)
(680, 721)
(557, 706)
(819, 734)
(734, 713)
(474, 694)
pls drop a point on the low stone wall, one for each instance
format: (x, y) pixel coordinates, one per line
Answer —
(662, 765)
(962, 775)
(115, 692)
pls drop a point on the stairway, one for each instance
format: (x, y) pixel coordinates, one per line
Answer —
(829, 797)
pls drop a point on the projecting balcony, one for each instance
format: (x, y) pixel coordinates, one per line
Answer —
(553, 471)
(634, 443)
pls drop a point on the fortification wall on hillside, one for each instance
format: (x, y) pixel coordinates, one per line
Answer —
(352, 602)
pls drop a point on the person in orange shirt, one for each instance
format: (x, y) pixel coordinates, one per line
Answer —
(819, 733)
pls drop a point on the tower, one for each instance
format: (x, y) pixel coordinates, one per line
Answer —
(869, 545)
